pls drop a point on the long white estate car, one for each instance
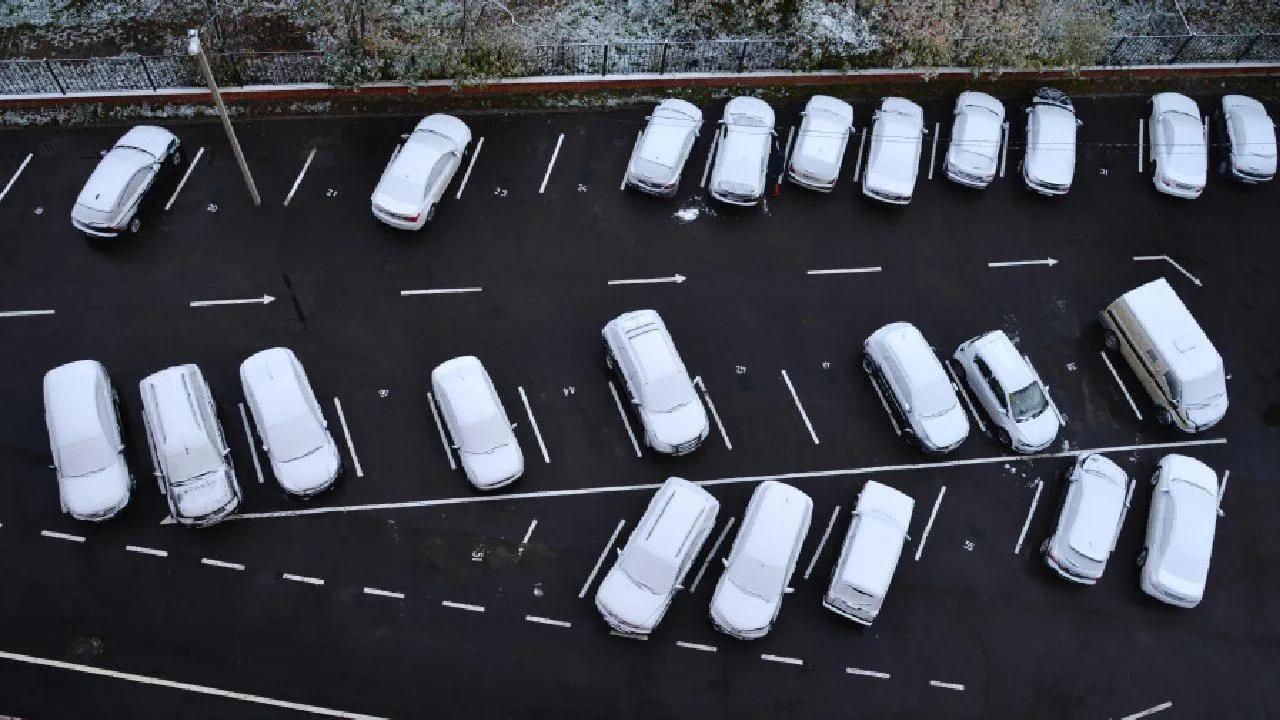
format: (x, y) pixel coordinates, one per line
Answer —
(1178, 153)
(1175, 556)
(1049, 165)
(411, 187)
(974, 152)
(188, 448)
(758, 570)
(477, 423)
(914, 388)
(742, 158)
(820, 143)
(1250, 140)
(304, 458)
(893, 161)
(1094, 505)
(860, 580)
(662, 149)
(1010, 392)
(82, 416)
(635, 593)
(638, 348)
(111, 197)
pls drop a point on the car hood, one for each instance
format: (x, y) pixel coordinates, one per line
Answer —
(678, 426)
(1186, 162)
(820, 144)
(946, 429)
(738, 610)
(1039, 431)
(204, 498)
(629, 603)
(741, 157)
(493, 468)
(976, 141)
(1210, 414)
(96, 493)
(1188, 588)
(309, 473)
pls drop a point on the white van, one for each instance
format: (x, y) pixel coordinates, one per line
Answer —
(1173, 358)
(870, 555)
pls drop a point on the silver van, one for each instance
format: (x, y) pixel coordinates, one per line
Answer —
(1173, 358)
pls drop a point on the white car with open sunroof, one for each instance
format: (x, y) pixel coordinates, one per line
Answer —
(1010, 392)
(742, 157)
(1094, 505)
(893, 160)
(477, 423)
(973, 154)
(914, 388)
(81, 414)
(1175, 556)
(1178, 153)
(419, 171)
(661, 151)
(820, 143)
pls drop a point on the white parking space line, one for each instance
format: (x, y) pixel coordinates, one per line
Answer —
(533, 422)
(712, 407)
(62, 536)
(1004, 146)
(248, 436)
(845, 271)
(1222, 490)
(711, 154)
(892, 420)
(600, 560)
(182, 183)
(444, 441)
(799, 406)
(383, 593)
(947, 685)
(1205, 127)
(929, 525)
(302, 173)
(965, 394)
(1171, 261)
(25, 313)
(857, 168)
(307, 579)
(1120, 382)
(625, 422)
(346, 433)
(467, 175)
(527, 534)
(1149, 711)
(623, 185)
(781, 659)
(141, 550)
(462, 606)
(786, 156)
(441, 291)
(551, 165)
(16, 173)
(1141, 137)
(187, 687)
(826, 534)
(547, 621)
(933, 154)
(221, 564)
(714, 549)
(1031, 511)
(867, 673)
(695, 646)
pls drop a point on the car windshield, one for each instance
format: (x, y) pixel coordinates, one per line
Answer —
(1028, 402)
(743, 120)
(1203, 391)
(192, 463)
(85, 457)
(933, 398)
(295, 437)
(655, 574)
(756, 578)
(485, 436)
(668, 394)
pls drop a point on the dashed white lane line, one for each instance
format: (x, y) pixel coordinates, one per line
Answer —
(467, 175)
(533, 422)
(1149, 711)
(1031, 511)
(625, 422)
(1004, 146)
(302, 173)
(1171, 261)
(799, 406)
(625, 170)
(781, 659)
(1132, 405)
(346, 433)
(528, 534)
(16, 173)
(187, 687)
(933, 154)
(462, 606)
(62, 536)
(600, 560)
(947, 685)
(711, 155)
(857, 169)
(302, 579)
(182, 183)
(711, 555)
(444, 441)
(696, 646)
(965, 394)
(867, 673)
(384, 593)
(25, 313)
(845, 271)
(248, 436)
(712, 407)
(221, 564)
(826, 534)
(551, 165)
(548, 621)
(142, 550)
(441, 291)
(929, 525)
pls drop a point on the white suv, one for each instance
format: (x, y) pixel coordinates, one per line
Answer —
(914, 388)
(81, 414)
(1178, 153)
(639, 349)
(1175, 556)
(111, 196)
(1094, 505)
(477, 423)
(1010, 392)
(869, 558)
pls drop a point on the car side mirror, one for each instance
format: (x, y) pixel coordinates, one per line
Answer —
(120, 447)
(102, 153)
(724, 561)
(404, 136)
(513, 426)
(788, 591)
(648, 117)
(226, 452)
(1079, 122)
(679, 587)
(906, 407)
(619, 551)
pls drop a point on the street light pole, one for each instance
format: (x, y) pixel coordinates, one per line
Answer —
(194, 49)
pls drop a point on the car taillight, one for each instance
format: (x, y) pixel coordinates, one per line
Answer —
(412, 218)
(114, 228)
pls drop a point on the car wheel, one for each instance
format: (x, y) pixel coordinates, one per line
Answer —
(1163, 416)
(867, 364)
(1003, 436)
(431, 213)
(135, 225)
(910, 436)
(178, 157)
(1110, 339)
(1044, 546)
(1142, 558)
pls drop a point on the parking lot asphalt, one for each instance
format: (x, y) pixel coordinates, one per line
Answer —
(403, 593)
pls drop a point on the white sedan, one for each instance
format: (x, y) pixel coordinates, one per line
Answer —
(1178, 153)
(1251, 140)
(663, 147)
(914, 388)
(414, 181)
(893, 160)
(1094, 506)
(974, 152)
(820, 144)
(477, 423)
(742, 158)
(1050, 162)
(1175, 556)
(1010, 392)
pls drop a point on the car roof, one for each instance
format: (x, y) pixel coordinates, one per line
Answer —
(1098, 515)
(913, 353)
(108, 180)
(1173, 330)
(171, 397)
(1008, 365)
(1251, 123)
(782, 512)
(681, 508)
(69, 392)
(150, 138)
(873, 555)
(663, 141)
(276, 385)
(466, 386)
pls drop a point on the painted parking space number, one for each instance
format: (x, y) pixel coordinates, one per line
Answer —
(331, 193)
(740, 369)
(213, 207)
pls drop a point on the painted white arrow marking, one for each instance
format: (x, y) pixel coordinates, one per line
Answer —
(1171, 261)
(264, 300)
(677, 278)
(1018, 263)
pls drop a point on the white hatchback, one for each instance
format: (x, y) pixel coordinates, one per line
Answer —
(974, 151)
(419, 171)
(303, 456)
(1178, 153)
(1175, 556)
(820, 143)
(1010, 392)
(1094, 505)
(914, 388)
(869, 558)
(742, 157)
(1050, 162)
(661, 151)
(1251, 140)
(109, 201)
(82, 416)
(477, 423)
(758, 570)
(893, 160)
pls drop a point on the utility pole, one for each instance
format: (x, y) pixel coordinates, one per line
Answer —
(194, 49)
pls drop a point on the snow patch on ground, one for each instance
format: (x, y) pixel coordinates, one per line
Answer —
(687, 215)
